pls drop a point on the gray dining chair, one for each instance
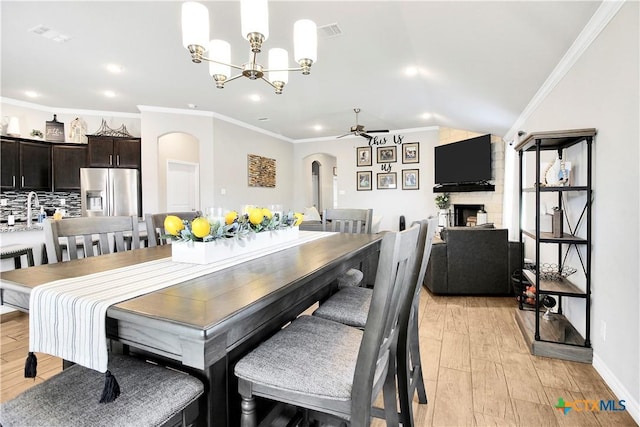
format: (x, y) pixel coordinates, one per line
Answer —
(351, 307)
(155, 225)
(330, 368)
(348, 221)
(82, 232)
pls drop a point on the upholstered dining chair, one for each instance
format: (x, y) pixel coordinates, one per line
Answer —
(330, 368)
(351, 306)
(155, 225)
(348, 221)
(70, 232)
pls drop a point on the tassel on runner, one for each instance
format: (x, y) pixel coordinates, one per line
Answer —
(111, 388)
(31, 366)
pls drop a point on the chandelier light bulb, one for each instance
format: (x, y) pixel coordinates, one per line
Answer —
(305, 39)
(220, 54)
(278, 64)
(254, 16)
(195, 25)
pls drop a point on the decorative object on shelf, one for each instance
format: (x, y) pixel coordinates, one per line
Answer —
(387, 181)
(105, 130)
(13, 127)
(255, 28)
(387, 154)
(548, 302)
(262, 171)
(556, 222)
(363, 180)
(410, 179)
(442, 200)
(78, 131)
(205, 240)
(481, 217)
(54, 130)
(411, 152)
(363, 156)
(36, 133)
(557, 173)
(553, 272)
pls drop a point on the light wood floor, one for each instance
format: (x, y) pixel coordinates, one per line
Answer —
(477, 369)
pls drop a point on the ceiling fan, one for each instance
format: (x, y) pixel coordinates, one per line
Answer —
(359, 130)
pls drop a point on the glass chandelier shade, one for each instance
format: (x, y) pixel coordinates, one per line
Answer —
(255, 28)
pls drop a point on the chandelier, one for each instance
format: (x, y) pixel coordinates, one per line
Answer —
(255, 28)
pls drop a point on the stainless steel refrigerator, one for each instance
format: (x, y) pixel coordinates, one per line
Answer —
(109, 192)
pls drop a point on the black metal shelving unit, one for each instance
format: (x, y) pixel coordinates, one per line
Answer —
(557, 337)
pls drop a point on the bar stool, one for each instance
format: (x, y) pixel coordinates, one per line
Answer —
(16, 251)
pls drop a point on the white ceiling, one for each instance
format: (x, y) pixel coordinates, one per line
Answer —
(479, 62)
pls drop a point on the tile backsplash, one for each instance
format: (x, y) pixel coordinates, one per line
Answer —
(17, 203)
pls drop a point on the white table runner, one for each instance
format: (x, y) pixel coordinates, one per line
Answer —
(67, 317)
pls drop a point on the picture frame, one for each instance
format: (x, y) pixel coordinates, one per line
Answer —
(363, 180)
(411, 152)
(410, 179)
(363, 156)
(387, 181)
(387, 154)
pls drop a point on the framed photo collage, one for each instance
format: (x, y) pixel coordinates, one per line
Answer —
(410, 178)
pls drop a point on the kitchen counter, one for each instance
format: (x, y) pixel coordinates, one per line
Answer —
(19, 226)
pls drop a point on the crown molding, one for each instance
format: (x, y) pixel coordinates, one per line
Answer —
(607, 10)
(72, 111)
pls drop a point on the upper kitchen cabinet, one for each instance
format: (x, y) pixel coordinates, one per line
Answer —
(114, 152)
(67, 161)
(26, 165)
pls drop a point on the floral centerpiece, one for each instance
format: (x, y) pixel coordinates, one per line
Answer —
(204, 240)
(442, 200)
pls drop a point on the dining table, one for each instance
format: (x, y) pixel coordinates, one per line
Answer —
(204, 325)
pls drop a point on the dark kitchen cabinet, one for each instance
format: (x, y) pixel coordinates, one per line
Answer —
(114, 152)
(26, 165)
(67, 161)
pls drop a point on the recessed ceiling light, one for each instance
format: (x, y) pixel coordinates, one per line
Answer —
(31, 94)
(192, 106)
(426, 115)
(254, 97)
(317, 127)
(263, 119)
(109, 93)
(411, 71)
(114, 68)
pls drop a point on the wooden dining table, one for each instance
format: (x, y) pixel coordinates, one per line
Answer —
(204, 325)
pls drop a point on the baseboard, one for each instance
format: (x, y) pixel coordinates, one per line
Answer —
(631, 404)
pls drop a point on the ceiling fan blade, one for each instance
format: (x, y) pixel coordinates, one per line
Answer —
(364, 135)
(378, 131)
(342, 136)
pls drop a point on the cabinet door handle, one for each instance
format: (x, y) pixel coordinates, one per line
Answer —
(22, 180)
(14, 180)
(118, 159)
(111, 159)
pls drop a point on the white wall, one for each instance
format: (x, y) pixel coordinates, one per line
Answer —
(602, 91)
(390, 204)
(223, 162)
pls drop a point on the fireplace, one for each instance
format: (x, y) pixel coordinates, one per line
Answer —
(461, 214)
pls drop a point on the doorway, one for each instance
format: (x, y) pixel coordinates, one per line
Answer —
(183, 186)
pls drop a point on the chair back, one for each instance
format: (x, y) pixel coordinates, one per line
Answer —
(396, 265)
(155, 225)
(73, 231)
(347, 220)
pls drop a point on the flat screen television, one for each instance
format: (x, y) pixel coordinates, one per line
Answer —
(467, 161)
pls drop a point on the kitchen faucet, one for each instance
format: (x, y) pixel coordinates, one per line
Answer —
(31, 193)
